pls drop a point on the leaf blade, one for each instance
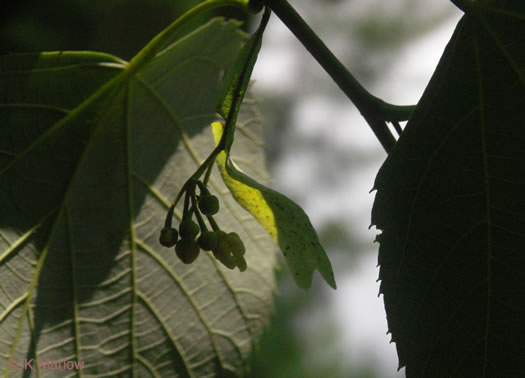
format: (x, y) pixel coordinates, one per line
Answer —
(445, 193)
(103, 181)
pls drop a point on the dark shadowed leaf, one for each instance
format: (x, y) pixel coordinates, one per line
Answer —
(451, 206)
(90, 158)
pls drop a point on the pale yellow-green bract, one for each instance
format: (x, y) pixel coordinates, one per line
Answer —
(283, 220)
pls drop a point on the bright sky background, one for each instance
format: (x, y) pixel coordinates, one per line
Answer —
(281, 70)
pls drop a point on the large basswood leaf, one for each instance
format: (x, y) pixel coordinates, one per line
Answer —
(88, 166)
(451, 206)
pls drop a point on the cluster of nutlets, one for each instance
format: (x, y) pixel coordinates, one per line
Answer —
(228, 248)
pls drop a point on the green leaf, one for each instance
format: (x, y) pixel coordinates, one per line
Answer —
(90, 157)
(284, 220)
(450, 204)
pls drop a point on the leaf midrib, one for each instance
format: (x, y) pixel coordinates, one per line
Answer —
(133, 272)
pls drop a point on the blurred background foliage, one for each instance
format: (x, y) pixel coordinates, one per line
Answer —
(305, 339)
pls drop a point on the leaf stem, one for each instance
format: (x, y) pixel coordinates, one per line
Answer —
(397, 127)
(208, 171)
(198, 173)
(198, 214)
(371, 107)
(213, 224)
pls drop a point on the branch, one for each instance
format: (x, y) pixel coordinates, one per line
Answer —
(373, 109)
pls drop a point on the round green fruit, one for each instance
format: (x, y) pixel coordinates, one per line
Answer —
(240, 262)
(187, 250)
(188, 229)
(225, 258)
(209, 205)
(236, 245)
(222, 251)
(207, 241)
(168, 236)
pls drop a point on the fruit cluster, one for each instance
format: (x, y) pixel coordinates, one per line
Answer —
(228, 248)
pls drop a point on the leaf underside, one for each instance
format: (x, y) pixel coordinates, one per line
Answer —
(86, 177)
(450, 204)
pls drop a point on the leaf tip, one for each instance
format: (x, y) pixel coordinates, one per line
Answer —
(330, 279)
